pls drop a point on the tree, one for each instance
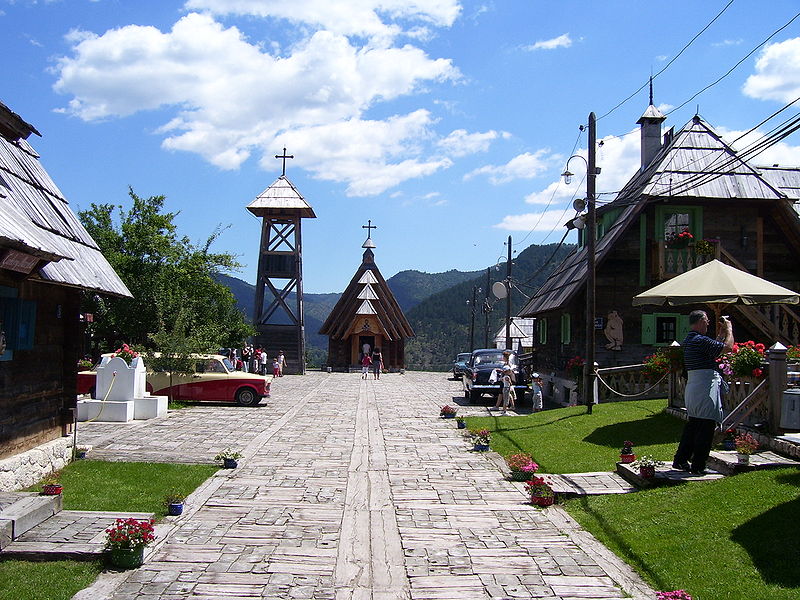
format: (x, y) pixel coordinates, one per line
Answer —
(174, 294)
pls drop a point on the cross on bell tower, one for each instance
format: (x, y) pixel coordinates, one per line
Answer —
(277, 317)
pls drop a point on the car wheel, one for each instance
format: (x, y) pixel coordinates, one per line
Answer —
(246, 397)
(474, 396)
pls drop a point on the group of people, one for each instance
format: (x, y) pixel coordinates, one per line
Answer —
(508, 378)
(256, 360)
(371, 358)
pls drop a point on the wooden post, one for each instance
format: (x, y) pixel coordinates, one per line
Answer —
(777, 385)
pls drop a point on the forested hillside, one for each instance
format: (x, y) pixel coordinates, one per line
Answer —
(442, 321)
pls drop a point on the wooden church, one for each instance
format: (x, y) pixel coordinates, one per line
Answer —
(367, 313)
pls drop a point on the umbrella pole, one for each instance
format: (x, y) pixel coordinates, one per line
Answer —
(717, 308)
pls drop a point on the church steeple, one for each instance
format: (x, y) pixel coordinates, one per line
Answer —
(650, 130)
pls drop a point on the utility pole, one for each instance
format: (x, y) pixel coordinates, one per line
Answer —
(591, 231)
(486, 308)
(508, 298)
(475, 289)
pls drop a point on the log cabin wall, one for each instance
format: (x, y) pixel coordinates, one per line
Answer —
(38, 386)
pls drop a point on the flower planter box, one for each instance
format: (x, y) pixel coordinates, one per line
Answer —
(126, 558)
(542, 501)
(647, 472)
(52, 489)
(627, 458)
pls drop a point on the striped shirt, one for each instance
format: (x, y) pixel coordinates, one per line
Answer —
(699, 351)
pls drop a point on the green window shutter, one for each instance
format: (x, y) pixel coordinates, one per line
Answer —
(683, 327)
(566, 328)
(9, 314)
(649, 329)
(542, 330)
(27, 324)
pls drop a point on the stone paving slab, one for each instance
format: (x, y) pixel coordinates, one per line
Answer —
(352, 489)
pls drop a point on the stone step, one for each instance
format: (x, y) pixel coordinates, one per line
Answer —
(664, 475)
(22, 511)
(70, 534)
(726, 461)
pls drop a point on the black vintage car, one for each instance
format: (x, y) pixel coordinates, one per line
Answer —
(479, 369)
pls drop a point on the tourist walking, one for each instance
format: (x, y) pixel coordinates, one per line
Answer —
(281, 363)
(377, 363)
(704, 389)
(366, 361)
(264, 361)
(536, 392)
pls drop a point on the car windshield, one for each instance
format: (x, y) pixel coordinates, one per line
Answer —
(495, 358)
(463, 357)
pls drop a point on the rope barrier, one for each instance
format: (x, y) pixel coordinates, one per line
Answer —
(618, 393)
(103, 405)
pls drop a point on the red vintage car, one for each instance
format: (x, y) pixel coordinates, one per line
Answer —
(213, 380)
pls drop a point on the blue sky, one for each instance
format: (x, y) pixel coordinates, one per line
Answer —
(445, 122)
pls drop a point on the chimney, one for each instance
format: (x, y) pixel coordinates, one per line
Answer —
(650, 123)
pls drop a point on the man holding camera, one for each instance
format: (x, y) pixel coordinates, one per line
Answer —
(704, 389)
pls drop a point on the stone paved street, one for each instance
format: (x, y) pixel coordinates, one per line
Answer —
(351, 489)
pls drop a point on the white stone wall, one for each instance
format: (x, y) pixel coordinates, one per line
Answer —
(27, 468)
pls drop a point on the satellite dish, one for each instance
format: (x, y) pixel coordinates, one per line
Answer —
(499, 289)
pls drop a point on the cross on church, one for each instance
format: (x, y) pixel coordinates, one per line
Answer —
(284, 156)
(368, 227)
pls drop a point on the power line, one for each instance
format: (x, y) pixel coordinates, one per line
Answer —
(665, 67)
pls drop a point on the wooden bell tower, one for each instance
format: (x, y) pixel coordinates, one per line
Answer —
(278, 310)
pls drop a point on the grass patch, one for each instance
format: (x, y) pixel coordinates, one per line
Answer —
(568, 440)
(51, 580)
(98, 485)
(127, 487)
(737, 537)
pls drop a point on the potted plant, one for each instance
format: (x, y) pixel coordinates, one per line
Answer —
(675, 241)
(229, 458)
(647, 466)
(745, 360)
(705, 247)
(447, 412)
(51, 486)
(540, 492)
(626, 455)
(729, 441)
(481, 439)
(80, 452)
(461, 423)
(522, 466)
(126, 353)
(174, 501)
(746, 444)
(125, 541)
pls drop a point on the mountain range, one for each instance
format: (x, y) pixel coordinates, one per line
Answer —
(434, 303)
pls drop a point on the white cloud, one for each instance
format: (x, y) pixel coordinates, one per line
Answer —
(777, 74)
(346, 17)
(562, 41)
(461, 143)
(522, 166)
(364, 162)
(618, 159)
(229, 98)
(736, 42)
(781, 153)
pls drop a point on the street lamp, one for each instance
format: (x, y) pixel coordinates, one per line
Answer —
(591, 231)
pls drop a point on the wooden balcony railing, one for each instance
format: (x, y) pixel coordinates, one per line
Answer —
(674, 261)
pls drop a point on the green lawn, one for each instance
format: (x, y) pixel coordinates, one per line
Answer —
(568, 440)
(98, 485)
(738, 537)
(734, 538)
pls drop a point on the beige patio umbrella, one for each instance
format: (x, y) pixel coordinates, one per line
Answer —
(715, 284)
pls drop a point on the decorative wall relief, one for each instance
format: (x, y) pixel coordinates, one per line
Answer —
(613, 331)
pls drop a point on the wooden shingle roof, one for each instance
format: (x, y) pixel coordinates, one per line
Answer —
(384, 306)
(281, 197)
(37, 219)
(694, 164)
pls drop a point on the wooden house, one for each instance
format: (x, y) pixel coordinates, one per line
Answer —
(47, 259)
(366, 313)
(689, 181)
